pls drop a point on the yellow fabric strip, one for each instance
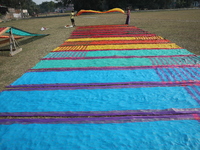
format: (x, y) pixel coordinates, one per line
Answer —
(116, 38)
(132, 46)
(113, 47)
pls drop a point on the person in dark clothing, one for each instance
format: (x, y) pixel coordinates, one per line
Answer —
(128, 16)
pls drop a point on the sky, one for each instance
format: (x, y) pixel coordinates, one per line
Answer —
(41, 1)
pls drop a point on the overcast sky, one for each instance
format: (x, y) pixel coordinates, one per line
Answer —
(40, 1)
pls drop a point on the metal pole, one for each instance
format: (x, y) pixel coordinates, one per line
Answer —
(21, 9)
(11, 41)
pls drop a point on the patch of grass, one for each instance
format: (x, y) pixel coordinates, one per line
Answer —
(181, 27)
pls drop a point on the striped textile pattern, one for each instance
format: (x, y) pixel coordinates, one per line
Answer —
(106, 87)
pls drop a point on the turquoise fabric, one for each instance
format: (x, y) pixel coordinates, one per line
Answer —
(109, 76)
(20, 32)
(90, 76)
(93, 63)
(159, 135)
(146, 52)
(98, 99)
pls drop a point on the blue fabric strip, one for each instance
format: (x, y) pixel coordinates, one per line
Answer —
(91, 76)
(108, 76)
(97, 99)
(180, 134)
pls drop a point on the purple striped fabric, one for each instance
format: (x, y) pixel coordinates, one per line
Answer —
(193, 93)
(99, 85)
(99, 117)
(151, 112)
(96, 120)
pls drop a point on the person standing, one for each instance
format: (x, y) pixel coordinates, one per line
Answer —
(128, 16)
(72, 15)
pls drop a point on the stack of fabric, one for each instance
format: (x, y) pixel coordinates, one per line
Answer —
(106, 87)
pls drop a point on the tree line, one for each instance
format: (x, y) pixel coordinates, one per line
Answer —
(95, 4)
(20, 4)
(134, 4)
(31, 6)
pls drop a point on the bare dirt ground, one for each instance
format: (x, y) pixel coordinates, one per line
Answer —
(181, 27)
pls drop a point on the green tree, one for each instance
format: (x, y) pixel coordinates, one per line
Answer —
(150, 4)
(30, 6)
(65, 2)
(47, 7)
